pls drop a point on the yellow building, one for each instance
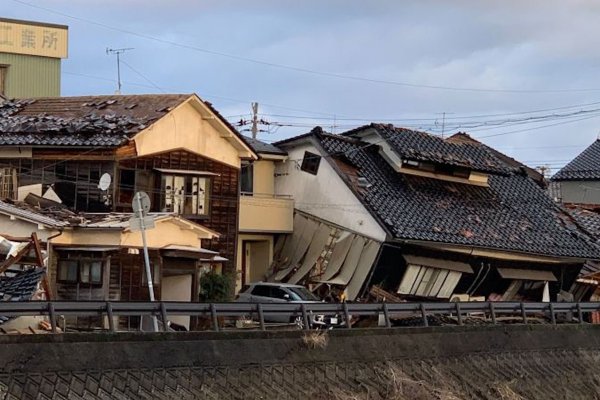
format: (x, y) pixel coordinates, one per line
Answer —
(30, 58)
(264, 214)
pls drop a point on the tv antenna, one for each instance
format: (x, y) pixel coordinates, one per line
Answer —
(118, 53)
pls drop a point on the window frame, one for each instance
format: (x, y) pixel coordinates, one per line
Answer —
(8, 182)
(247, 177)
(3, 78)
(310, 163)
(188, 182)
(80, 262)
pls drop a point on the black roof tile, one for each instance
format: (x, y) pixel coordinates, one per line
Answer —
(512, 214)
(586, 166)
(421, 146)
(20, 286)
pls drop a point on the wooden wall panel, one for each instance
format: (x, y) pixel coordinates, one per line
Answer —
(224, 196)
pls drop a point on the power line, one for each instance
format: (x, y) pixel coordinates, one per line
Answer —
(143, 76)
(204, 95)
(301, 69)
(538, 127)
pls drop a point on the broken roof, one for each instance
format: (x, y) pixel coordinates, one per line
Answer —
(588, 219)
(586, 166)
(421, 146)
(106, 121)
(58, 216)
(512, 214)
(19, 286)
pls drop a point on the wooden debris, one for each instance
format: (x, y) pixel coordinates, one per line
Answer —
(379, 294)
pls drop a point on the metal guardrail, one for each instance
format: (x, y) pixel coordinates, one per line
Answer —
(264, 311)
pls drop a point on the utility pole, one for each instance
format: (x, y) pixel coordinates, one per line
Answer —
(254, 120)
(118, 52)
(443, 123)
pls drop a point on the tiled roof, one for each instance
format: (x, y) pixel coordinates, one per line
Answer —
(588, 219)
(106, 121)
(421, 146)
(21, 286)
(512, 214)
(30, 214)
(262, 147)
(586, 166)
(534, 174)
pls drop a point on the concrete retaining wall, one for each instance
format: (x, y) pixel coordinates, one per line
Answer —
(466, 362)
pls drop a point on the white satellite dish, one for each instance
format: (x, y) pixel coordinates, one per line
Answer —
(105, 181)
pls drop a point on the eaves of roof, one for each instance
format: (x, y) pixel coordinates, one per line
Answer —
(31, 216)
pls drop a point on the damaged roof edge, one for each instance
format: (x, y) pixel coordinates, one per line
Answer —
(503, 254)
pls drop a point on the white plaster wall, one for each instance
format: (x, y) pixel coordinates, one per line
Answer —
(20, 228)
(324, 195)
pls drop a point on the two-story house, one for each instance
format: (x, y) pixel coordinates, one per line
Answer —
(265, 213)
(423, 217)
(91, 154)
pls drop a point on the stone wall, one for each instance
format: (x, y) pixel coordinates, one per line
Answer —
(511, 362)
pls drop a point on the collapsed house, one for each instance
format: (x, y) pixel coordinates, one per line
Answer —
(423, 217)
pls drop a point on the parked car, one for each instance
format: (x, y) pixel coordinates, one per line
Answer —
(269, 292)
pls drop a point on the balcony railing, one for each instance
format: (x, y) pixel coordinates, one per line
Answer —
(219, 312)
(264, 212)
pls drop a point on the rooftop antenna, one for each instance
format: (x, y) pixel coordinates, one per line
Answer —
(118, 52)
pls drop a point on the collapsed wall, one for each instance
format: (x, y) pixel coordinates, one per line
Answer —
(509, 362)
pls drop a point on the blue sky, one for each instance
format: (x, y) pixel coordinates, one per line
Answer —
(510, 53)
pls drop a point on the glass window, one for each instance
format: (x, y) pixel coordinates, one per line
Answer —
(90, 272)
(186, 195)
(67, 271)
(310, 162)
(303, 294)
(247, 178)
(261, 290)
(279, 293)
(126, 185)
(155, 273)
(84, 273)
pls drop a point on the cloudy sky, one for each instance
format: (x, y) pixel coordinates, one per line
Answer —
(520, 76)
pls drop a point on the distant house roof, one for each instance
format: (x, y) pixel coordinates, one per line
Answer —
(262, 147)
(421, 146)
(512, 214)
(586, 166)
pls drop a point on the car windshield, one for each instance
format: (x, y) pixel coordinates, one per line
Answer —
(300, 293)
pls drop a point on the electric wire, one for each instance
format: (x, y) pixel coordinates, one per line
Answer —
(302, 69)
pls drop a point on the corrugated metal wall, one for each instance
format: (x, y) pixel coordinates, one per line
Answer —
(31, 76)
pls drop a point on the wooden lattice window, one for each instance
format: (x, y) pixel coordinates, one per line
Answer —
(8, 183)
